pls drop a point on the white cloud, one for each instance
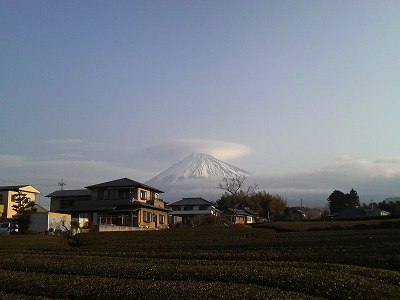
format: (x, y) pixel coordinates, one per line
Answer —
(388, 160)
(7, 160)
(70, 155)
(65, 141)
(371, 179)
(176, 150)
(361, 168)
(88, 146)
(45, 174)
(86, 171)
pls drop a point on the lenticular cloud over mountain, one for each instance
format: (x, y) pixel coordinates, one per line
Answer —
(195, 176)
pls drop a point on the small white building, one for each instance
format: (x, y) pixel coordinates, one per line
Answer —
(42, 222)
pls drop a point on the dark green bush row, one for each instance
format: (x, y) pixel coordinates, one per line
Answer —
(332, 225)
(99, 287)
(206, 263)
(318, 279)
(378, 248)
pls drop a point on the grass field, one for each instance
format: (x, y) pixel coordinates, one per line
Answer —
(206, 263)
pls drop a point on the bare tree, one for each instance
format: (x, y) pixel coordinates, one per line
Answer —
(234, 189)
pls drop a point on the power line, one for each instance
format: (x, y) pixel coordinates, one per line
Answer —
(37, 184)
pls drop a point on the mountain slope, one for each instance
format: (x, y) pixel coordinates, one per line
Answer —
(196, 165)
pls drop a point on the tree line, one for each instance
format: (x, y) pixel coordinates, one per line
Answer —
(338, 201)
(236, 196)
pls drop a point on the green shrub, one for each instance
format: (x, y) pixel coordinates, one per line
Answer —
(203, 263)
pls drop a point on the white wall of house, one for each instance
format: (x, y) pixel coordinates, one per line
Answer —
(41, 222)
(249, 220)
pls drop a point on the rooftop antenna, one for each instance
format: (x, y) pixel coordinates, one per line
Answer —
(61, 183)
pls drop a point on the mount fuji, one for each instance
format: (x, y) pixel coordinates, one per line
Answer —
(197, 175)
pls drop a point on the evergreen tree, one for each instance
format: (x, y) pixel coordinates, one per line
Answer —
(339, 200)
(23, 207)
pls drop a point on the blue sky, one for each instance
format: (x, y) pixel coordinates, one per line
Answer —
(302, 94)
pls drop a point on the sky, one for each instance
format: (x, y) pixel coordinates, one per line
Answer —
(301, 94)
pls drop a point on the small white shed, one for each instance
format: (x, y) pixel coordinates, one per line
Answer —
(49, 221)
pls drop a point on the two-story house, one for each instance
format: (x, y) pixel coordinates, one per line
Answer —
(7, 198)
(186, 208)
(122, 202)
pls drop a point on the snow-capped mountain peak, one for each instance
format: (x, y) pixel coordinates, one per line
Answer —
(196, 165)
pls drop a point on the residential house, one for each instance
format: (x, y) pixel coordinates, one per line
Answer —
(7, 198)
(252, 216)
(121, 202)
(299, 215)
(185, 209)
(239, 216)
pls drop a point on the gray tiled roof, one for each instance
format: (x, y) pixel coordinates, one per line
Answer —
(123, 183)
(231, 211)
(11, 187)
(191, 201)
(70, 193)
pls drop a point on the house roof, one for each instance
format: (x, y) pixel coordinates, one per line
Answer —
(40, 208)
(241, 212)
(141, 204)
(191, 201)
(70, 193)
(11, 187)
(123, 183)
(250, 211)
(19, 187)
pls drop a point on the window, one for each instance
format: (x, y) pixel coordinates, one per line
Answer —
(88, 215)
(154, 195)
(188, 208)
(123, 194)
(103, 194)
(66, 203)
(147, 216)
(161, 218)
(203, 208)
(143, 195)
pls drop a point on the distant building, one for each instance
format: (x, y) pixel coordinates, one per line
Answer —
(299, 215)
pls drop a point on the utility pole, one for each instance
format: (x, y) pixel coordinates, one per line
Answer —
(61, 184)
(301, 208)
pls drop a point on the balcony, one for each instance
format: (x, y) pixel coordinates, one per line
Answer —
(155, 202)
